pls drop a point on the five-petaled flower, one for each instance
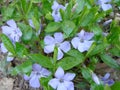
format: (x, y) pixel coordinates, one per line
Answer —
(36, 74)
(13, 33)
(62, 81)
(56, 14)
(82, 41)
(57, 41)
(104, 4)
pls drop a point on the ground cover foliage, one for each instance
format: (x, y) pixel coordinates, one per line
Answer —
(58, 44)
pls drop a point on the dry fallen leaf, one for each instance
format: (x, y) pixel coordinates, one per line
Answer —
(6, 83)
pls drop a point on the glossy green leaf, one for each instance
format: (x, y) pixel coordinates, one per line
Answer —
(52, 27)
(109, 61)
(20, 50)
(8, 44)
(68, 27)
(42, 60)
(72, 61)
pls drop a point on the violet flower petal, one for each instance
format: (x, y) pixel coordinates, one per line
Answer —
(69, 85)
(49, 48)
(34, 82)
(69, 76)
(48, 40)
(65, 46)
(61, 86)
(36, 67)
(75, 41)
(12, 23)
(60, 54)
(58, 37)
(59, 73)
(54, 83)
(3, 48)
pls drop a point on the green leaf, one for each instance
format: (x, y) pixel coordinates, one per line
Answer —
(8, 44)
(86, 73)
(42, 60)
(36, 23)
(68, 27)
(109, 61)
(52, 27)
(20, 50)
(96, 49)
(96, 30)
(97, 87)
(25, 67)
(26, 31)
(69, 62)
(116, 86)
(80, 6)
(115, 51)
(76, 54)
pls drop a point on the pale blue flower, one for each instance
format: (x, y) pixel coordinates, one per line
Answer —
(82, 41)
(55, 13)
(13, 33)
(57, 40)
(104, 4)
(62, 81)
(37, 72)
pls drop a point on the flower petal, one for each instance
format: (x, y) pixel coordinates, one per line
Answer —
(60, 54)
(54, 83)
(3, 48)
(75, 42)
(81, 34)
(106, 7)
(31, 23)
(95, 78)
(61, 86)
(56, 16)
(48, 40)
(36, 67)
(84, 46)
(26, 77)
(34, 82)
(49, 48)
(12, 23)
(65, 46)
(69, 76)
(55, 5)
(45, 72)
(88, 36)
(107, 75)
(69, 85)
(58, 37)
(81, 47)
(59, 73)
(7, 30)
(9, 57)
